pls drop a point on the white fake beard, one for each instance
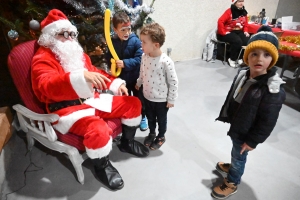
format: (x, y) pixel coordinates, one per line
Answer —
(69, 53)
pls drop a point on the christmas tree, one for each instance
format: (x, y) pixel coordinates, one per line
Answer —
(21, 20)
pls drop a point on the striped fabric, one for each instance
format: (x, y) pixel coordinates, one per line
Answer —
(19, 64)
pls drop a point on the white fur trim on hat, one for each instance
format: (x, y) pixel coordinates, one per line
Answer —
(101, 152)
(59, 25)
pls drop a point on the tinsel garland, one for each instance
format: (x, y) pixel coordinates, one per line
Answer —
(103, 4)
(290, 39)
(135, 18)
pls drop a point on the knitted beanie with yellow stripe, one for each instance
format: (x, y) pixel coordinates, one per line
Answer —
(263, 39)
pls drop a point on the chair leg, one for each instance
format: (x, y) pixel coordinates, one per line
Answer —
(285, 64)
(225, 54)
(296, 75)
(240, 53)
(77, 160)
(30, 141)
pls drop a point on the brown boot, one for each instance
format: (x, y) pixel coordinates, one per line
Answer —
(223, 168)
(225, 190)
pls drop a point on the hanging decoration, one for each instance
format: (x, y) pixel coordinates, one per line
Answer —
(12, 34)
(135, 12)
(34, 25)
(111, 5)
(135, 3)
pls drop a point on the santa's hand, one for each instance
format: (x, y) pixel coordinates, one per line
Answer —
(245, 147)
(120, 63)
(97, 79)
(123, 90)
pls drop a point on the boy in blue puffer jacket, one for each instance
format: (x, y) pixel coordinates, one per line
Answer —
(252, 107)
(129, 50)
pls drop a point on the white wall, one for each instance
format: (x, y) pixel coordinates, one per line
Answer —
(187, 23)
(289, 8)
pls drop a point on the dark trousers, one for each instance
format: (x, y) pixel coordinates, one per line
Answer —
(157, 111)
(236, 39)
(137, 93)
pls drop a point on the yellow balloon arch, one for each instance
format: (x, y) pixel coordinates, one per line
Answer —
(111, 48)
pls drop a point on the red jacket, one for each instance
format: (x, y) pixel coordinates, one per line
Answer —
(226, 24)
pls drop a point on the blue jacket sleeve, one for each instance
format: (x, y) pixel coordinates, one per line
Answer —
(134, 62)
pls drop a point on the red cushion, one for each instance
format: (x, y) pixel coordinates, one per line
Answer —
(19, 64)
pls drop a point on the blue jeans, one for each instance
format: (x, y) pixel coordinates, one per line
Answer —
(238, 162)
(156, 111)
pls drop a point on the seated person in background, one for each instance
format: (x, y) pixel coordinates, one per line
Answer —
(64, 78)
(233, 29)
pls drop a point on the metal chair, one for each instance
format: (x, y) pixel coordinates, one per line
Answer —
(225, 50)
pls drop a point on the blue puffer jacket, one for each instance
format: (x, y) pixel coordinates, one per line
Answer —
(257, 114)
(130, 51)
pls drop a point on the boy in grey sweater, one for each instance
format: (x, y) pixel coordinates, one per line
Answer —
(160, 83)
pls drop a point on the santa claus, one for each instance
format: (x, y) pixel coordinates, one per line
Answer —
(64, 78)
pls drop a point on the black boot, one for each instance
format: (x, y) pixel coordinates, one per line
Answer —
(129, 145)
(107, 174)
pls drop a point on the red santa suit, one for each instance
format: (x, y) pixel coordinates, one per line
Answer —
(51, 84)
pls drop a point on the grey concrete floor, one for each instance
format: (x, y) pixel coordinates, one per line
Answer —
(184, 167)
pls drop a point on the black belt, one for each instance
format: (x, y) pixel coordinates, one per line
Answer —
(63, 104)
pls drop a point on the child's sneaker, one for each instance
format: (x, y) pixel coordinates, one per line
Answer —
(223, 168)
(157, 143)
(225, 190)
(232, 63)
(144, 124)
(149, 139)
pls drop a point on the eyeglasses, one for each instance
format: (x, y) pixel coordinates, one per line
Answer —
(66, 34)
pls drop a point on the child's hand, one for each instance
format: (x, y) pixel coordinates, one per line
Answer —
(137, 87)
(123, 90)
(245, 147)
(169, 105)
(120, 63)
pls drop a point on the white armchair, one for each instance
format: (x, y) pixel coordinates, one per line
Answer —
(32, 118)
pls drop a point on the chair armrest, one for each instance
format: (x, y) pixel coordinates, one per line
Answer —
(35, 116)
(36, 123)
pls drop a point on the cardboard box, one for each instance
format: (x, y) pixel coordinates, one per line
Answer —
(5, 126)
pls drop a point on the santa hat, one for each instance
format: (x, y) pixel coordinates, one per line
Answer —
(263, 39)
(56, 20)
(233, 1)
